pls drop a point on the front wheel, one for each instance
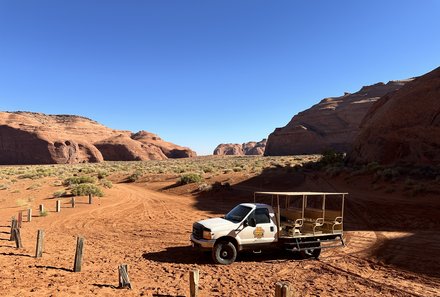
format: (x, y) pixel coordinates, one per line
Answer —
(224, 253)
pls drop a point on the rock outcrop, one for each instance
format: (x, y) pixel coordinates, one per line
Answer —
(36, 138)
(333, 123)
(403, 127)
(245, 149)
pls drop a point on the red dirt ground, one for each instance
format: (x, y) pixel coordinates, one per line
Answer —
(392, 245)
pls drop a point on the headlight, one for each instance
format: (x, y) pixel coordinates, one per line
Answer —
(207, 234)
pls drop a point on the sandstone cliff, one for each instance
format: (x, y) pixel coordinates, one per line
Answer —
(333, 123)
(35, 138)
(245, 149)
(403, 127)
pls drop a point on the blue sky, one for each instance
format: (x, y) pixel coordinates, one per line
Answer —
(199, 73)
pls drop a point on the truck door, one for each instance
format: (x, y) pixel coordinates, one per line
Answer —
(266, 229)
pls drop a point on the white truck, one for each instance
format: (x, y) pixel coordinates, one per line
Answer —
(300, 222)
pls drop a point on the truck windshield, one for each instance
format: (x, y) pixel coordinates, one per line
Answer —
(238, 213)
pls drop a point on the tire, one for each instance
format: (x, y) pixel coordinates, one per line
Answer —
(224, 253)
(311, 253)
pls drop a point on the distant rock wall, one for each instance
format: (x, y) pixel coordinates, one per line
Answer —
(245, 149)
(333, 123)
(403, 127)
(36, 138)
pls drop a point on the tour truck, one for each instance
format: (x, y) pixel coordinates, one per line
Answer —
(302, 223)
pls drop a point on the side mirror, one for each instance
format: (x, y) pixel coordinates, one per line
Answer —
(251, 222)
(245, 223)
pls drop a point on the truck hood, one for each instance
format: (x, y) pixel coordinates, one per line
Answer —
(216, 224)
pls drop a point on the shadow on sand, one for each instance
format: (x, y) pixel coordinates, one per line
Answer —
(53, 267)
(187, 255)
(416, 253)
(15, 255)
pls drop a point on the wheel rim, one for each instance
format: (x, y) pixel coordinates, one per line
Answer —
(226, 253)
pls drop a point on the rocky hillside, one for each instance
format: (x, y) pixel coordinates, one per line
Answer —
(248, 148)
(35, 138)
(403, 127)
(333, 123)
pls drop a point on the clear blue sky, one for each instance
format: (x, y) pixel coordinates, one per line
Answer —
(199, 73)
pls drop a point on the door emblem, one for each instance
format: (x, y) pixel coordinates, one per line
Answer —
(258, 232)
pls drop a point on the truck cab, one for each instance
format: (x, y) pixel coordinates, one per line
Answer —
(246, 226)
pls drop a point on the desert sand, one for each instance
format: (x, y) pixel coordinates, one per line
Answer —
(392, 242)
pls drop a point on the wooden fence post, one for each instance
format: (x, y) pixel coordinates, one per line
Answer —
(194, 283)
(41, 209)
(282, 289)
(124, 280)
(90, 199)
(58, 206)
(17, 238)
(73, 202)
(78, 254)
(13, 226)
(40, 244)
(29, 214)
(19, 219)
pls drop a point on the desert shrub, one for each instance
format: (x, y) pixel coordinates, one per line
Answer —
(331, 157)
(190, 178)
(76, 180)
(207, 169)
(59, 194)
(33, 187)
(373, 167)
(389, 173)
(4, 186)
(134, 176)
(44, 213)
(106, 183)
(205, 187)
(86, 189)
(237, 169)
(102, 174)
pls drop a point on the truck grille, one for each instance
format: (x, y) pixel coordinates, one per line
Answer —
(197, 230)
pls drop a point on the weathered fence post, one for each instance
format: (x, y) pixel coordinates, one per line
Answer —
(17, 238)
(58, 206)
(40, 244)
(78, 254)
(124, 280)
(41, 209)
(73, 202)
(282, 289)
(19, 219)
(194, 283)
(90, 199)
(13, 226)
(29, 214)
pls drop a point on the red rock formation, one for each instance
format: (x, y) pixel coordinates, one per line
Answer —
(333, 123)
(403, 127)
(170, 150)
(35, 138)
(249, 148)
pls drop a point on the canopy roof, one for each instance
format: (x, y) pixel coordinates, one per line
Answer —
(300, 193)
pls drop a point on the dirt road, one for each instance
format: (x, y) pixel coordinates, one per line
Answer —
(149, 231)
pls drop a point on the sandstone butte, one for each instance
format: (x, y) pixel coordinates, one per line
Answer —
(246, 149)
(36, 138)
(333, 123)
(403, 127)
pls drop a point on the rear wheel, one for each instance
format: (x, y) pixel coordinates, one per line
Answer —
(224, 253)
(312, 250)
